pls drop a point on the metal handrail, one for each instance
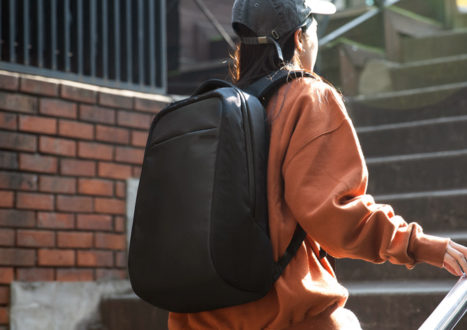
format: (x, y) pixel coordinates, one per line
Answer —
(451, 309)
(356, 22)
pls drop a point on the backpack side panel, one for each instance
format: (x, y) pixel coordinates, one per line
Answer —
(165, 238)
(241, 249)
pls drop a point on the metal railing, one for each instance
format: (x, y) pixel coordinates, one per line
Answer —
(380, 5)
(451, 309)
(114, 43)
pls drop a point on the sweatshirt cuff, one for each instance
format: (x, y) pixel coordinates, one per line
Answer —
(429, 249)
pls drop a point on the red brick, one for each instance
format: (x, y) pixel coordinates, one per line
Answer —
(74, 240)
(109, 205)
(120, 189)
(95, 258)
(75, 129)
(115, 100)
(97, 114)
(56, 257)
(4, 315)
(38, 163)
(95, 150)
(35, 201)
(95, 187)
(139, 138)
(7, 237)
(75, 275)
(114, 171)
(56, 146)
(121, 259)
(4, 294)
(129, 155)
(6, 275)
(35, 274)
(77, 167)
(78, 94)
(6, 198)
(9, 82)
(55, 220)
(18, 181)
(94, 222)
(111, 274)
(58, 108)
(8, 160)
(112, 134)
(56, 184)
(74, 204)
(147, 105)
(135, 120)
(35, 238)
(17, 257)
(35, 86)
(18, 141)
(38, 124)
(15, 218)
(119, 224)
(8, 120)
(136, 171)
(110, 241)
(17, 102)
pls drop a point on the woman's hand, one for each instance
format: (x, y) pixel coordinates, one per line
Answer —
(455, 260)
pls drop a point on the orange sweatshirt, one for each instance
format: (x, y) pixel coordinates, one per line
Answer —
(317, 177)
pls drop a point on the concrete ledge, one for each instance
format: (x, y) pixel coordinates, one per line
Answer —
(60, 305)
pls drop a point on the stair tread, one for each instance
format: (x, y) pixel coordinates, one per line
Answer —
(416, 156)
(410, 124)
(408, 92)
(428, 62)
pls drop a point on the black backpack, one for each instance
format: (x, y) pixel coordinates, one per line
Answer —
(200, 237)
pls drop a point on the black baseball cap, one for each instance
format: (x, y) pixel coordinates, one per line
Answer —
(272, 19)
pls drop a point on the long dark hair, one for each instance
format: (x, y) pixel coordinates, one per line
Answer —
(251, 62)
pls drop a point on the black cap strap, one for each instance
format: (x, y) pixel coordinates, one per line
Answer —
(262, 41)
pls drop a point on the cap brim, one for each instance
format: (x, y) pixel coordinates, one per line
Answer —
(321, 7)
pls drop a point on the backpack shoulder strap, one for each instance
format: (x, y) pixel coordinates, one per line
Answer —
(297, 239)
(266, 86)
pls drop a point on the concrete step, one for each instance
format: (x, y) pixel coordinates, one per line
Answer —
(349, 270)
(432, 72)
(435, 211)
(394, 305)
(379, 76)
(383, 108)
(410, 98)
(420, 136)
(447, 43)
(443, 170)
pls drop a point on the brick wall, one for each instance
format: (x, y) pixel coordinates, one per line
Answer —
(66, 151)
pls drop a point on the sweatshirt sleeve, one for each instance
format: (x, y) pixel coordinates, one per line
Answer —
(325, 179)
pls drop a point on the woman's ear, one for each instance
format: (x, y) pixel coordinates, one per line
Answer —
(298, 40)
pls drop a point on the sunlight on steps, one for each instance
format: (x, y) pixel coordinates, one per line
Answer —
(462, 4)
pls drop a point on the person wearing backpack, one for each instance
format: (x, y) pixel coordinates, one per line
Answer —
(317, 179)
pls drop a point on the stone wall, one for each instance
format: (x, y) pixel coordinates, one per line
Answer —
(66, 151)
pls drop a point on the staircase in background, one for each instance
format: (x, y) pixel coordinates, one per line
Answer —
(409, 105)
